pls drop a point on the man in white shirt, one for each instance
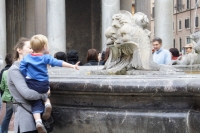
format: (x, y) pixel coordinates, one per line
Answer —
(160, 56)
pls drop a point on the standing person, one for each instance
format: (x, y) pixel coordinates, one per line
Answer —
(189, 48)
(9, 61)
(1, 93)
(24, 121)
(6, 96)
(34, 69)
(174, 53)
(160, 56)
(104, 56)
(73, 57)
(92, 58)
(101, 58)
(61, 56)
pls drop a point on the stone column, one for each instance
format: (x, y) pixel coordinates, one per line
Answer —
(30, 19)
(109, 8)
(56, 25)
(126, 5)
(164, 22)
(40, 17)
(3, 49)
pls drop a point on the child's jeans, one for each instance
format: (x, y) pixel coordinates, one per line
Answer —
(40, 87)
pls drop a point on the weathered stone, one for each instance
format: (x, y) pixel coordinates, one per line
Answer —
(136, 104)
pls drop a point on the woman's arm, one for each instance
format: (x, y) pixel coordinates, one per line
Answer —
(19, 82)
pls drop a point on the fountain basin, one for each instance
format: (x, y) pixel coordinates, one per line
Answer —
(136, 104)
(189, 69)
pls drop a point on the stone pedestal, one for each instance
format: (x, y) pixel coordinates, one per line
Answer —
(164, 22)
(109, 8)
(56, 25)
(128, 104)
(3, 29)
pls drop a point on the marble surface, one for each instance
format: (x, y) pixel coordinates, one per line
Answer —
(124, 103)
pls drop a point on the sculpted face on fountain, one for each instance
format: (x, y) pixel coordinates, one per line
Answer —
(118, 20)
(127, 32)
(115, 21)
(129, 42)
(111, 36)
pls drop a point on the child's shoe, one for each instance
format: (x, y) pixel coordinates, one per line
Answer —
(40, 127)
(47, 112)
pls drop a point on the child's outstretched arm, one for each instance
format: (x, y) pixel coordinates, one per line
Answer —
(54, 62)
(65, 64)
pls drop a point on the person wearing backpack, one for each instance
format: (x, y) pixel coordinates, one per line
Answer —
(6, 96)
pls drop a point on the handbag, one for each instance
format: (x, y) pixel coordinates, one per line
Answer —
(48, 124)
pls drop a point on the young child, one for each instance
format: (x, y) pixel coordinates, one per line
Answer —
(34, 68)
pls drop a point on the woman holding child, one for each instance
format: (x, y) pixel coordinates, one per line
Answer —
(33, 66)
(24, 122)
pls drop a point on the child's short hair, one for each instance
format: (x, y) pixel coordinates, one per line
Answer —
(38, 42)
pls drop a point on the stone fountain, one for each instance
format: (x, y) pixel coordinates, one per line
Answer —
(130, 94)
(190, 62)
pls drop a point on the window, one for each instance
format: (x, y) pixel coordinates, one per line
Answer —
(180, 43)
(188, 4)
(153, 11)
(188, 40)
(187, 23)
(174, 43)
(179, 25)
(197, 21)
(196, 4)
(179, 5)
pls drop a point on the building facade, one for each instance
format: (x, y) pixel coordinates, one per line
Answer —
(186, 21)
(68, 24)
(186, 15)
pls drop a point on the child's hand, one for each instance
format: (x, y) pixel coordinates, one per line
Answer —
(49, 92)
(76, 66)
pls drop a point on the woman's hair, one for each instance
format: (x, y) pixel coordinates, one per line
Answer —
(107, 54)
(20, 44)
(60, 56)
(9, 59)
(38, 42)
(174, 52)
(92, 54)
